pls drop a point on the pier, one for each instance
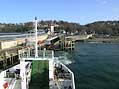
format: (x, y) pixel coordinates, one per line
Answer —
(9, 57)
(9, 54)
(80, 37)
(69, 44)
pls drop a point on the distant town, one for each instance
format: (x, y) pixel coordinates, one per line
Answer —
(99, 28)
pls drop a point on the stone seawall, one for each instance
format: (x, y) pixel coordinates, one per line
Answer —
(108, 40)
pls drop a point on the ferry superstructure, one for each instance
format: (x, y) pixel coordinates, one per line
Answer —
(59, 76)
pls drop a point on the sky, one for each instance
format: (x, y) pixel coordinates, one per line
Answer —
(79, 11)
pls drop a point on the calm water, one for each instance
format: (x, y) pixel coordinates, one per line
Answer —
(96, 66)
(8, 36)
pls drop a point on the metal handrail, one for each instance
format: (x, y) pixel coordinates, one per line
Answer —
(31, 54)
(73, 81)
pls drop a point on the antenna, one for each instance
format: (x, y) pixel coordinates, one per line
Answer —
(36, 40)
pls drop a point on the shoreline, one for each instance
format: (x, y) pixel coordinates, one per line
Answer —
(104, 40)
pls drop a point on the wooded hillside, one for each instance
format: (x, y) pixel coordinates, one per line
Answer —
(99, 28)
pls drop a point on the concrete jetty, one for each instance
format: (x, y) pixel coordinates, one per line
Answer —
(80, 37)
(9, 57)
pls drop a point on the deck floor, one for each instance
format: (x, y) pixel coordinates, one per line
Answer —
(40, 74)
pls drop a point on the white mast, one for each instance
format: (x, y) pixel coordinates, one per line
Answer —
(36, 39)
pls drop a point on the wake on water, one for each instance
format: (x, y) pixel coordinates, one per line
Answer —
(64, 57)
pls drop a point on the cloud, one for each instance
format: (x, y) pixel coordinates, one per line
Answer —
(102, 2)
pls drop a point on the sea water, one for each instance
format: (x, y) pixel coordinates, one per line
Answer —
(96, 65)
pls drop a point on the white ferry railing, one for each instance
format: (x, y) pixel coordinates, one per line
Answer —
(44, 54)
(73, 81)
